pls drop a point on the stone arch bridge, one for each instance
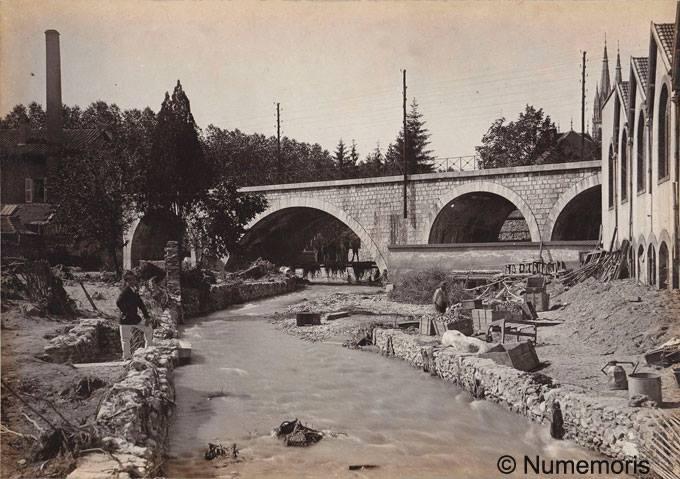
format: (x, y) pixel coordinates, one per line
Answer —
(450, 214)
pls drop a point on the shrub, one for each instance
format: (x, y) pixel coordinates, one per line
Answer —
(418, 287)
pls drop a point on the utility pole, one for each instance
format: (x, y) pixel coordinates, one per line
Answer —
(404, 146)
(278, 143)
(583, 106)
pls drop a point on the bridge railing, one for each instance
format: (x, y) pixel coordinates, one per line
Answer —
(457, 163)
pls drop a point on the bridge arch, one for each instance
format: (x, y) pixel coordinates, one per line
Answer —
(367, 242)
(588, 183)
(492, 189)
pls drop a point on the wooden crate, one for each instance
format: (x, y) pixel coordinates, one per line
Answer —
(308, 319)
(482, 318)
(471, 304)
(426, 327)
(520, 356)
(540, 300)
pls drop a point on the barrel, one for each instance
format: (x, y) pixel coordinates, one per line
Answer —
(648, 384)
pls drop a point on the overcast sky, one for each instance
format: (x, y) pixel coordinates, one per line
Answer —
(333, 66)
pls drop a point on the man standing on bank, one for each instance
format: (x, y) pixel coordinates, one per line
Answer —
(129, 302)
(441, 298)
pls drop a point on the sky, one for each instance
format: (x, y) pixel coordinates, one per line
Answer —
(334, 66)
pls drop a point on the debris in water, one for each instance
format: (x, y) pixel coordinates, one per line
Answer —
(296, 434)
(215, 450)
(360, 467)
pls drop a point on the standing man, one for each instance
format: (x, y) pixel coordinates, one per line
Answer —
(129, 302)
(441, 298)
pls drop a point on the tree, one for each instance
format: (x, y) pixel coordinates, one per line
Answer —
(517, 143)
(92, 203)
(374, 163)
(217, 222)
(340, 156)
(417, 140)
(353, 154)
(177, 173)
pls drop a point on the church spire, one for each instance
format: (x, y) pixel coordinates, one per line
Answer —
(617, 76)
(605, 84)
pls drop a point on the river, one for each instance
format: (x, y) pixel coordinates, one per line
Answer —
(246, 377)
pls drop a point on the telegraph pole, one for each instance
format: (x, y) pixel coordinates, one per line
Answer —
(583, 106)
(404, 145)
(278, 142)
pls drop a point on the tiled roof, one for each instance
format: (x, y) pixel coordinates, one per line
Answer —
(35, 141)
(665, 32)
(18, 217)
(641, 65)
(625, 93)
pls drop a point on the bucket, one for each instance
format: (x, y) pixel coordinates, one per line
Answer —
(648, 384)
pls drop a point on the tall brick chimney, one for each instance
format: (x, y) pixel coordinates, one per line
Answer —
(54, 105)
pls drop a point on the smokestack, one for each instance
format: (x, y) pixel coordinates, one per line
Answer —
(54, 105)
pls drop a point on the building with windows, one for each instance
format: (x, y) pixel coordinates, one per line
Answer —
(28, 155)
(637, 122)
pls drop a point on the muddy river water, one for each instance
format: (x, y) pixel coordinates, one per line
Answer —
(246, 377)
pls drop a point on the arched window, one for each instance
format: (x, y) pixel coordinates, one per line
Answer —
(641, 171)
(624, 166)
(640, 261)
(664, 133)
(611, 172)
(651, 265)
(663, 266)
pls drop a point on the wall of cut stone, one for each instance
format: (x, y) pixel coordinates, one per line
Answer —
(605, 425)
(224, 295)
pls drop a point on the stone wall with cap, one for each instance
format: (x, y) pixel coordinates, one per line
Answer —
(603, 424)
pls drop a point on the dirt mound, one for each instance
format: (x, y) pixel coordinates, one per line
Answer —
(620, 317)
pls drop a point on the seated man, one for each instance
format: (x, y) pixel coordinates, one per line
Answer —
(441, 298)
(129, 302)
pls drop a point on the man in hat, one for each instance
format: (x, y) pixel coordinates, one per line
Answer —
(441, 298)
(129, 302)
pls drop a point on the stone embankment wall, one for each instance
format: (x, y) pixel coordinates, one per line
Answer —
(89, 341)
(606, 425)
(224, 295)
(134, 416)
(135, 413)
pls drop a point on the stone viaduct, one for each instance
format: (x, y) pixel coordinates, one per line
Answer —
(373, 207)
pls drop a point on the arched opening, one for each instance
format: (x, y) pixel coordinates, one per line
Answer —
(580, 219)
(151, 236)
(651, 265)
(641, 168)
(479, 217)
(663, 129)
(304, 237)
(631, 263)
(640, 261)
(611, 184)
(624, 166)
(663, 266)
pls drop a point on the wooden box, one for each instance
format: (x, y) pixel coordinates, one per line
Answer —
(520, 356)
(426, 326)
(471, 304)
(308, 319)
(482, 318)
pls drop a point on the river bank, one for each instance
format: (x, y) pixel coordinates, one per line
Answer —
(246, 378)
(597, 324)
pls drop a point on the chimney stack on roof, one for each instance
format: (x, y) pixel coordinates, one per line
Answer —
(54, 103)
